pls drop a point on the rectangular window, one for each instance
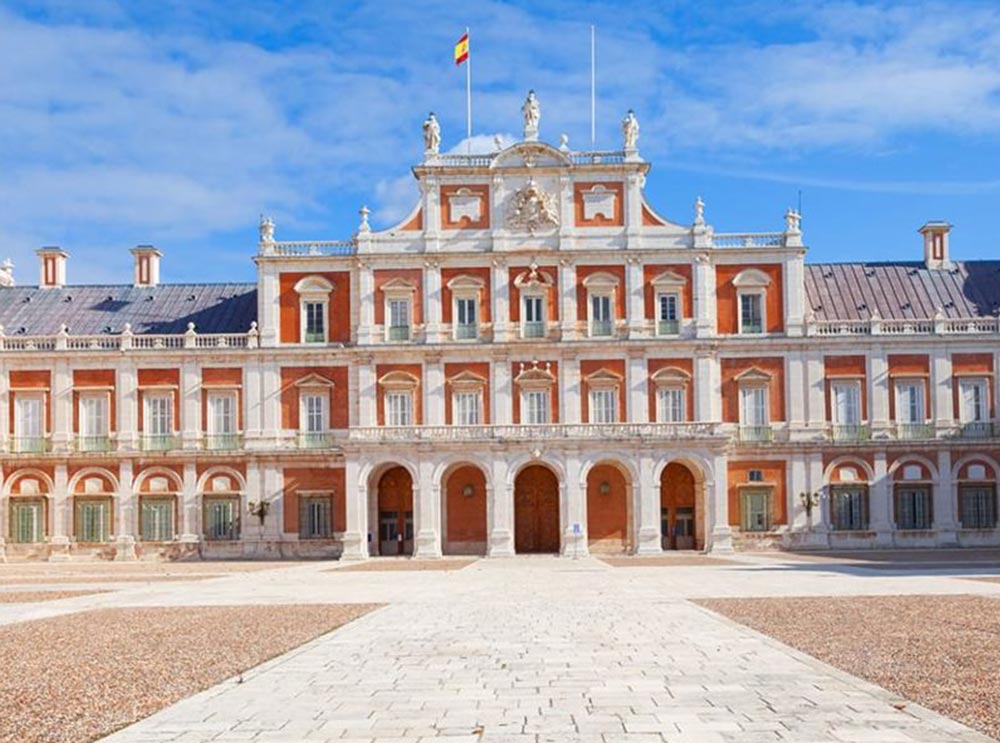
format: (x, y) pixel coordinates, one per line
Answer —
(222, 420)
(157, 519)
(671, 405)
(753, 406)
(973, 394)
(29, 422)
(601, 322)
(466, 407)
(604, 406)
(314, 406)
(399, 319)
(668, 314)
(910, 402)
(534, 316)
(846, 407)
(314, 517)
(93, 423)
(222, 518)
(315, 313)
(93, 520)
(849, 508)
(751, 313)
(756, 509)
(913, 507)
(979, 506)
(27, 521)
(399, 408)
(159, 415)
(535, 407)
(465, 318)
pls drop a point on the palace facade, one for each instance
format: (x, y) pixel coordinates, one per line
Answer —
(533, 360)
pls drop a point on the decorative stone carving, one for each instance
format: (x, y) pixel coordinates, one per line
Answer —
(532, 112)
(532, 209)
(699, 212)
(793, 221)
(432, 135)
(266, 229)
(465, 203)
(598, 200)
(630, 131)
(564, 143)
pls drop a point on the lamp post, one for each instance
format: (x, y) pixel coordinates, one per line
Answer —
(810, 501)
(259, 509)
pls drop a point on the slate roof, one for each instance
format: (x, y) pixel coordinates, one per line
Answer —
(902, 290)
(97, 309)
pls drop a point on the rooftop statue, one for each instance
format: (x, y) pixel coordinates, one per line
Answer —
(432, 135)
(266, 229)
(630, 131)
(532, 114)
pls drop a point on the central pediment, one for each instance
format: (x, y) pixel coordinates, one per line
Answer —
(530, 155)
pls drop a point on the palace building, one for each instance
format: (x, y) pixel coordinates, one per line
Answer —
(533, 360)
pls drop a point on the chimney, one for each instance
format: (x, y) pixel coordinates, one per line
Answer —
(7, 273)
(53, 267)
(936, 245)
(147, 265)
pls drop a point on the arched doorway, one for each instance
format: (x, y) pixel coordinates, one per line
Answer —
(464, 512)
(682, 512)
(395, 512)
(536, 510)
(607, 509)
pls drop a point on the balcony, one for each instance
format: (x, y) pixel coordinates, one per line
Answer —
(547, 432)
(399, 333)
(601, 328)
(914, 431)
(533, 329)
(756, 434)
(315, 440)
(752, 328)
(668, 327)
(466, 331)
(160, 442)
(30, 444)
(850, 432)
(224, 441)
(977, 430)
(94, 443)
(313, 337)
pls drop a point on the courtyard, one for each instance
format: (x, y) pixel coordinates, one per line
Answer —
(838, 648)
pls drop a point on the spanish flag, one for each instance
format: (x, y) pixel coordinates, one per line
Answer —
(462, 49)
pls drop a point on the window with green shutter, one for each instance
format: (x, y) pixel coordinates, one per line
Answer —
(27, 520)
(93, 519)
(314, 517)
(157, 519)
(756, 509)
(913, 507)
(979, 506)
(222, 518)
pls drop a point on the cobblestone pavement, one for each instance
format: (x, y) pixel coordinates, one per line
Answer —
(532, 650)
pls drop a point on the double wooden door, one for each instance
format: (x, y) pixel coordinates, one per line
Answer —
(536, 510)
(395, 513)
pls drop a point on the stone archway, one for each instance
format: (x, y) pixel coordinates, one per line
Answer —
(395, 512)
(464, 511)
(682, 508)
(536, 510)
(608, 509)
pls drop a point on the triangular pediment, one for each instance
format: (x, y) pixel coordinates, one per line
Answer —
(753, 375)
(313, 380)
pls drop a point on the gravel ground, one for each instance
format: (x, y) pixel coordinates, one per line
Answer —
(987, 579)
(27, 597)
(665, 560)
(102, 578)
(76, 678)
(942, 652)
(167, 568)
(895, 557)
(389, 564)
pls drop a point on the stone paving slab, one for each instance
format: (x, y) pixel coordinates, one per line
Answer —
(526, 651)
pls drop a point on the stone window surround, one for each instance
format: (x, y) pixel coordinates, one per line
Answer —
(313, 384)
(667, 283)
(399, 381)
(601, 284)
(398, 290)
(604, 380)
(314, 290)
(466, 287)
(673, 378)
(538, 378)
(754, 379)
(751, 282)
(534, 283)
(467, 382)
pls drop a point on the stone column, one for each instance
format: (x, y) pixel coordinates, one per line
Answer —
(367, 393)
(942, 412)
(574, 506)
(567, 299)
(815, 393)
(633, 210)
(268, 305)
(635, 300)
(355, 539)
(707, 387)
(128, 407)
(794, 299)
(127, 518)
(638, 390)
(717, 494)
(61, 400)
(705, 310)
(62, 515)
(501, 539)
(253, 403)
(500, 293)
(427, 501)
(880, 502)
(646, 494)
(271, 402)
(501, 410)
(434, 392)
(432, 301)
(366, 298)
(190, 423)
(879, 390)
(189, 506)
(945, 508)
(571, 388)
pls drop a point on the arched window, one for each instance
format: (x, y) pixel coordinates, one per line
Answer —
(314, 308)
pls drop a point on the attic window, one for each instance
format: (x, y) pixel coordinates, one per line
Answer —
(149, 298)
(191, 297)
(67, 298)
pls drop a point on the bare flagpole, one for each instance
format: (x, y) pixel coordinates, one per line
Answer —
(468, 96)
(593, 87)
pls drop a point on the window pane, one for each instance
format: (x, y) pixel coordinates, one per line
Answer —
(315, 322)
(314, 517)
(314, 406)
(603, 404)
(751, 313)
(399, 408)
(913, 508)
(466, 408)
(92, 520)
(157, 517)
(27, 521)
(978, 504)
(221, 518)
(29, 417)
(671, 405)
(849, 509)
(535, 406)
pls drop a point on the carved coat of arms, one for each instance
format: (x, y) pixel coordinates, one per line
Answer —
(532, 209)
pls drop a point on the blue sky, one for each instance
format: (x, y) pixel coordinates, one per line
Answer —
(178, 123)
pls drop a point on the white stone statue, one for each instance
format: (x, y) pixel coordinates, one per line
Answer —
(699, 212)
(266, 229)
(532, 115)
(793, 222)
(630, 131)
(432, 135)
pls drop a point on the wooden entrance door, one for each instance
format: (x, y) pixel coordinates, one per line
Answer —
(395, 513)
(536, 510)
(677, 508)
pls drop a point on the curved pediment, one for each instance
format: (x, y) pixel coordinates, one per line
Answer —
(530, 155)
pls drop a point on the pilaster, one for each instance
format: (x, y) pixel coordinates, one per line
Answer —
(190, 525)
(567, 299)
(366, 300)
(646, 494)
(574, 541)
(501, 411)
(945, 511)
(253, 401)
(268, 304)
(432, 301)
(943, 411)
(880, 502)
(878, 389)
(128, 406)
(638, 390)
(717, 493)
(190, 405)
(794, 299)
(127, 517)
(707, 387)
(434, 392)
(501, 540)
(427, 500)
(271, 403)
(635, 301)
(705, 309)
(500, 292)
(62, 515)
(61, 400)
(367, 391)
(355, 539)
(570, 390)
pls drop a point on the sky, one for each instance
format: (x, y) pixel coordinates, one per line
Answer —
(179, 123)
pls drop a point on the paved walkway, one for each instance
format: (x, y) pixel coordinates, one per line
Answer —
(537, 650)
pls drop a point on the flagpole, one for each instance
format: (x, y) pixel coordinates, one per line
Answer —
(468, 96)
(593, 87)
